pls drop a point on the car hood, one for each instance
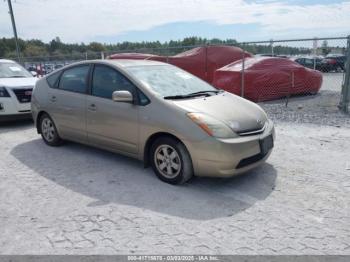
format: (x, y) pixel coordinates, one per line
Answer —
(18, 82)
(238, 113)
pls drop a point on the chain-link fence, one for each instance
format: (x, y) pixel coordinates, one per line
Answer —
(299, 75)
(300, 79)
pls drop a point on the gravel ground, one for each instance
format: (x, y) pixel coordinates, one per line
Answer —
(321, 109)
(76, 199)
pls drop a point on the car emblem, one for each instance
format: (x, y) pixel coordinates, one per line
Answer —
(259, 121)
(28, 93)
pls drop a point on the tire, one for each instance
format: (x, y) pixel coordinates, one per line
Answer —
(171, 161)
(48, 131)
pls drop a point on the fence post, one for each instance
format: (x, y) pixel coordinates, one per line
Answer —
(243, 71)
(290, 87)
(314, 51)
(345, 93)
(272, 48)
(206, 61)
(167, 54)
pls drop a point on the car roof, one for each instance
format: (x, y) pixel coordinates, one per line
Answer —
(133, 62)
(123, 62)
(308, 57)
(335, 55)
(7, 61)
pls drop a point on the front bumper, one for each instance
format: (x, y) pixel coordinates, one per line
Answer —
(24, 116)
(10, 109)
(224, 157)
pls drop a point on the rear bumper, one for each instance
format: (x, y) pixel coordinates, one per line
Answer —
(229, 157)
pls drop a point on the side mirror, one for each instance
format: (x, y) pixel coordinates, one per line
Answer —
(122, 96)
(34, 73)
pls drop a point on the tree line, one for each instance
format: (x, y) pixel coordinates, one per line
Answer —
(36, 50)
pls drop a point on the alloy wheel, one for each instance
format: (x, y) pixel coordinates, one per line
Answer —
(167, 161)
(48, 129)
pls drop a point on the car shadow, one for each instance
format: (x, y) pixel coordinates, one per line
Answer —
(9, 126)
(111, 178)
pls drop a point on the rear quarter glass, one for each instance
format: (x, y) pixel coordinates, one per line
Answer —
(52, 80)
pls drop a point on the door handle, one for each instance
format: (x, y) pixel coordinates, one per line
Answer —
(53, 99)
(92, 107)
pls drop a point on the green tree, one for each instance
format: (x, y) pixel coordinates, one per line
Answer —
(34, 50)
(96, 47)
(54, 45)
(3, 49)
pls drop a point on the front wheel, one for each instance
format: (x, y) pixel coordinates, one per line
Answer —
(171, 161)
(48, 131)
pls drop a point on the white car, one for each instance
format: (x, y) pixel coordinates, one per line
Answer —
(16, 86)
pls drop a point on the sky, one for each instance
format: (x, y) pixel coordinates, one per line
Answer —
(112, 21)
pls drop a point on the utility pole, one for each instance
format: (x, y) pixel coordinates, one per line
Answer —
(14, 29)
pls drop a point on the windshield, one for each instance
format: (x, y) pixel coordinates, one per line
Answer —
(9, 70)
(169, 80)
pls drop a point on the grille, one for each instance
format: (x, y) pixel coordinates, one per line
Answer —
(252, 132)
(23, 95)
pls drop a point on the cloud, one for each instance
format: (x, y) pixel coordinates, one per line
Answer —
(82, 20)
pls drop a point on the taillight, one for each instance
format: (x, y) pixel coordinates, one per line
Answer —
(332, 61)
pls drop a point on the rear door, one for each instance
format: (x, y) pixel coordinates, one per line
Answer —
(113, 125)
(68, 103)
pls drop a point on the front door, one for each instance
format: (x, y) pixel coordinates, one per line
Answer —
(110, 124)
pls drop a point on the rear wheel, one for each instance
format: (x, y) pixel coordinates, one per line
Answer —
(49, 131)
(171, 161)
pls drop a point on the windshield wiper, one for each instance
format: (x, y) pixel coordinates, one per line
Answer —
(205, 92)
(199, 93)
(17, 76)
(176, 97)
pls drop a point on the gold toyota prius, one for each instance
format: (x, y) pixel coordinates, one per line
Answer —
(155, 112)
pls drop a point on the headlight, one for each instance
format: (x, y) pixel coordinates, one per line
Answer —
(3, 92)
(212, 126)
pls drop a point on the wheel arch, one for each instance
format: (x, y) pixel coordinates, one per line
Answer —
(150, 141)
(37, 121)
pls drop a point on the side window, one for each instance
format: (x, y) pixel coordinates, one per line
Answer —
(106, 80)
(52, 80)
(301, 61)
(309, 62)
(75, 79)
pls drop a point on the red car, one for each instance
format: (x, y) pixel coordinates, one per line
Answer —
(200, 61)
(268, 78)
